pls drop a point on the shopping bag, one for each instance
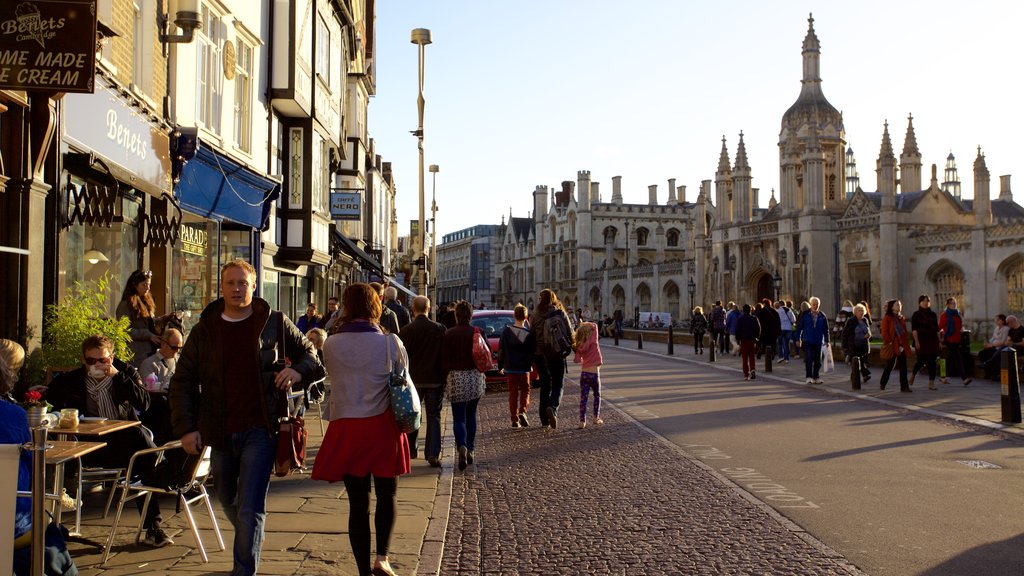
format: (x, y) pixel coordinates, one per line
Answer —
(828, 364)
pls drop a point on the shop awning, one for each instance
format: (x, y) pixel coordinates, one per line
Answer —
(400, 288)
(348, 246)
(216, 187)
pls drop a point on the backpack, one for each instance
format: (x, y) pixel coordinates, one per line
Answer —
(557, 336)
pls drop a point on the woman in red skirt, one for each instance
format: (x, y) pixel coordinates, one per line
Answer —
(363, 440)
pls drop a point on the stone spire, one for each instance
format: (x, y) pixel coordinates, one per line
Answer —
(982, 193)
(723, 158)
(741, 197)
(885, 168)
(951, 178)
(811, 83)
(723, 187)
(910, 161)
(741, 155)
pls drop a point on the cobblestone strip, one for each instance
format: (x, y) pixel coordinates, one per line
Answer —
(610, 500)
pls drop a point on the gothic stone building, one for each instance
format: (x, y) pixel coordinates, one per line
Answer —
(824, 236)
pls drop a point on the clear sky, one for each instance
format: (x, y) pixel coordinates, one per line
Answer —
(526, 93)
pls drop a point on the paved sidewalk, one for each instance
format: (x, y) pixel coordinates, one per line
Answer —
(978, 404)
(306, 529)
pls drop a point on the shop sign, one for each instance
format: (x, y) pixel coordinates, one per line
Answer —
(104, 124)
(345, 205)
(194, 240)
(48, 45)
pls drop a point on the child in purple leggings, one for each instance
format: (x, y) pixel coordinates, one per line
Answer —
(588, 353)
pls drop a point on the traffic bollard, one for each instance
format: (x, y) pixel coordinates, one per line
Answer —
(616, 337)
(639, 340)
(671, 344)
(712, 351)
(1008, 378)
(855, 373)
(768, 353)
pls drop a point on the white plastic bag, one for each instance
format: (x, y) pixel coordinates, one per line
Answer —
(828, 365)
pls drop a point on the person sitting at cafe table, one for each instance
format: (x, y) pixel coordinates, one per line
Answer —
(156, 372)
(106, 387)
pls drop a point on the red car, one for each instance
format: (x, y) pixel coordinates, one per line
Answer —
(492, 323)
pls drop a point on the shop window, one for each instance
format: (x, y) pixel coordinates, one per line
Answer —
(271, 288)
(195, 274)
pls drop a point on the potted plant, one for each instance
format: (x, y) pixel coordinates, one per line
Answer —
(83, 312)
(33, 403)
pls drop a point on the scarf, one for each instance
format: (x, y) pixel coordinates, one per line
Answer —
(952, 318)
(99, 392)
(359, 326)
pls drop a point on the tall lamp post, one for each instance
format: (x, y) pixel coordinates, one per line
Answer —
(777, 283)
(421, 37)
(432, 292)
(691, 287)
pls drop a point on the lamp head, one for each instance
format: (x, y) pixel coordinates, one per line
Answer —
(420, 36)
(434, 168)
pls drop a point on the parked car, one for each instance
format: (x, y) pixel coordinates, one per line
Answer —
(492, 323)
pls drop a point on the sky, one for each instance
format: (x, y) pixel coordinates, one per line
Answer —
(527, 93)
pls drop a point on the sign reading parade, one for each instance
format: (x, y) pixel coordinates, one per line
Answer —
(48, 45)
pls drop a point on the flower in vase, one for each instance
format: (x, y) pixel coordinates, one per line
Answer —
(33, 399)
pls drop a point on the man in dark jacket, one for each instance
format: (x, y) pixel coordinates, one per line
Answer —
(392, 303)
(106, 387)
(388, 319)
(422, 339)
(771, 327)
(748, 331)
(227, 393)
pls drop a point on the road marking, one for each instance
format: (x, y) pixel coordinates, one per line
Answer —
(980, 464)
(751, 479)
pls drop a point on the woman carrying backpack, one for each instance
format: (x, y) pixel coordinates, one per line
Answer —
(550, 324)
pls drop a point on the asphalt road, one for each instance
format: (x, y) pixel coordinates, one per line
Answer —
(893, 492)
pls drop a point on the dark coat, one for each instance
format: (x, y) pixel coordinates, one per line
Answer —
(699, 324)
(128, 393)
(197, 393)
(400, 311)
(389, 321)
(422, 339)
(771, 324)
(457, 349)
(748, 328)
(515, 349)
(926, 323)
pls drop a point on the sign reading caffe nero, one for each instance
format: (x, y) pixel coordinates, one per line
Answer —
(48, 45)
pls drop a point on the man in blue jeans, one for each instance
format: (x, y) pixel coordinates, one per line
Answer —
(422, 340)
(228, 392)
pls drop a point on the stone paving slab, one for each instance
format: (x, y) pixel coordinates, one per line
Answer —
(614, 499)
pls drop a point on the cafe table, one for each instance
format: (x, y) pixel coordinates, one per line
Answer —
(58, 453)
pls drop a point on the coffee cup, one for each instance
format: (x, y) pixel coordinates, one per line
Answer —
(50, 420)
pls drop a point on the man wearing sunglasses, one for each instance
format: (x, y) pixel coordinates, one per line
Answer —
(106, 387)
(156, 372)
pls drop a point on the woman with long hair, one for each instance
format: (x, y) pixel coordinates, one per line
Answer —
(363, 442)
(137, 304)
(550, 322)
(895, 344)
(464, 384)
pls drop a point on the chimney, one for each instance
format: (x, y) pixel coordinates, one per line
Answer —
(681, 194)
(671, 192)
(617, 190)
(595, 192)
(652, 194)
(1004, 188)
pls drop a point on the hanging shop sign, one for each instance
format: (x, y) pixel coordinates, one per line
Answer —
(124, 135)
(344, 204)
(48, 46)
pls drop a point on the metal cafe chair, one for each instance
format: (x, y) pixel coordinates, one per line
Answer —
(190, 490)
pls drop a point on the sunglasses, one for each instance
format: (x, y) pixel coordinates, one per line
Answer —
(175, 348)
(90, 360)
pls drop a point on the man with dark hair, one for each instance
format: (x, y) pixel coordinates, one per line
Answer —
(106, 387)
(388, 320)
(333, 314)
(717, 326)
(748, 331)
(771, 326)
(448, 317)
(422, 339)
(228, 392)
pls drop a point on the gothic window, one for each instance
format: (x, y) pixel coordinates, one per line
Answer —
(609, 235)
(831, 187)
(1015, 288)
(672, 238)
(641, 236)
(949, 283)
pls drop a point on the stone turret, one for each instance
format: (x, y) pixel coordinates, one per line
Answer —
(723, 186)
(982, 193)
(617, 190)
(652, 194)
(886, 170)
(910, 161)
(681, 194)
(595, 192)
(584, 190)
(540, 204)
(814, 175)
(1004, 188)
(671, 192)
(742, 198)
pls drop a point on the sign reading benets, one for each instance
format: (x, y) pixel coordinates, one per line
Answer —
(48, 45)
(345, 205)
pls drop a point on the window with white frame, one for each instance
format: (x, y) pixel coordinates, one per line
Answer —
(323, 50)
(210, 80)
(243, 96)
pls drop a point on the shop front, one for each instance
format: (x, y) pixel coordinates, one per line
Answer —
(224, 206)
(114, 207)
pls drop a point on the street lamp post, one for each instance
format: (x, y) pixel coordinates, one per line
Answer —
(421, 37)
(432, 292)
(691, 287)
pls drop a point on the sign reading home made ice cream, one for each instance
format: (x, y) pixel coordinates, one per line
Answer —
(48, 45)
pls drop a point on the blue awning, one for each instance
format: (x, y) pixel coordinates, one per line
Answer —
(214, 186)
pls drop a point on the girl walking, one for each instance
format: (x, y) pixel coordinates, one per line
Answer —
(698, 326)
(895, 344)
(588, 353)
